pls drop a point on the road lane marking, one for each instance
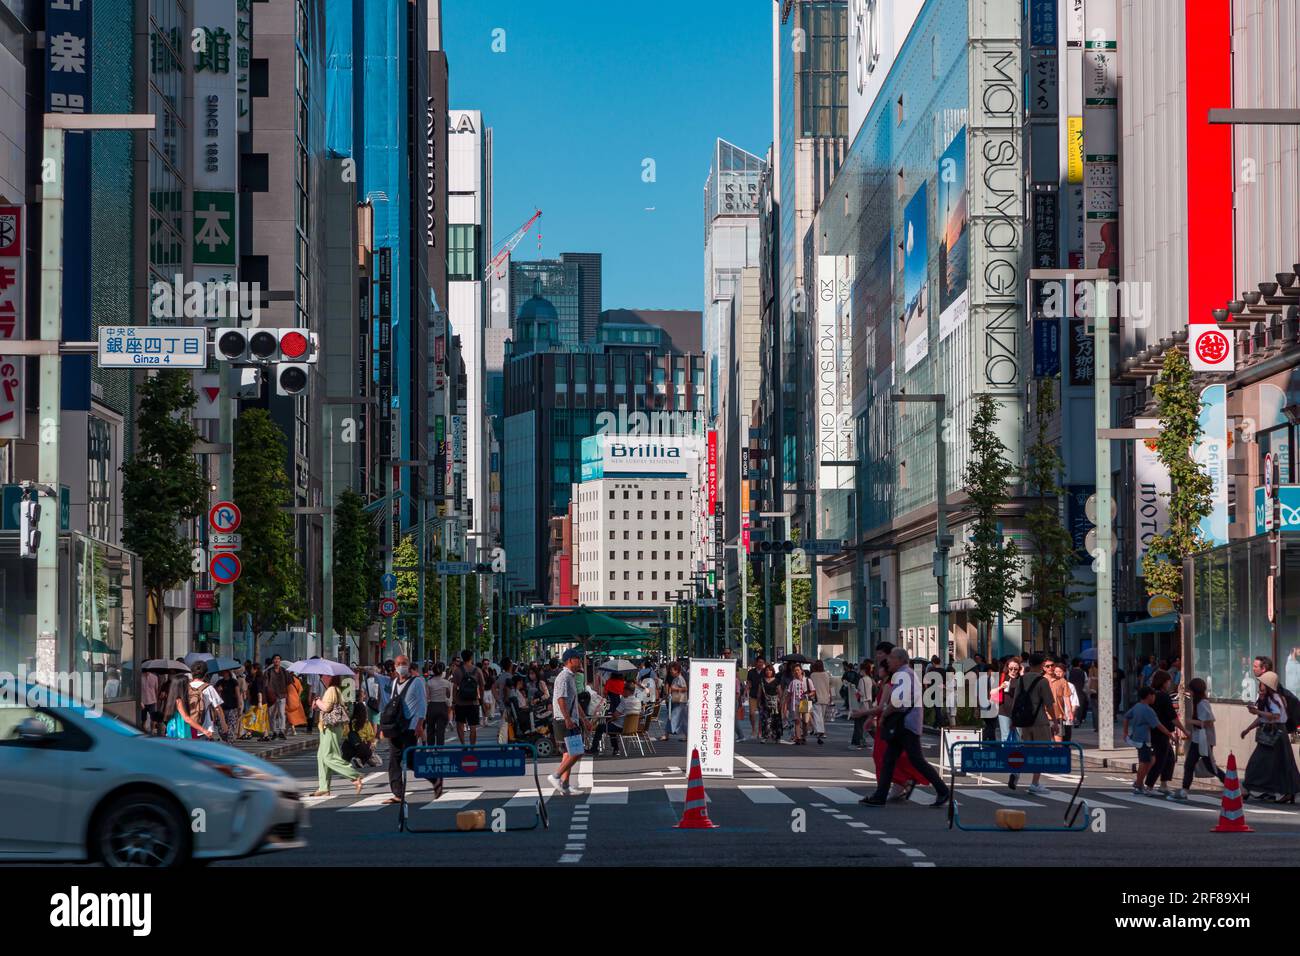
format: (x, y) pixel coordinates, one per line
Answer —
(372, 802)
(676, 792)
(891, 841)
(755, 767)
(523, 798)
(910, 851)
(1083, 796)
(1153, 802)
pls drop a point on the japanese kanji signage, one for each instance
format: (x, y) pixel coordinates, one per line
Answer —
(243, 55)
(68, 84)
(214, 228)
(131, 346)
(1210, 348)
(711, 715)
(215, 122)
(11, 320)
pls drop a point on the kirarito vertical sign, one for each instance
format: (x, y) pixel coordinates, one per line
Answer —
(711, 715)
(1211, 453)
(11, 320)
(68, 85)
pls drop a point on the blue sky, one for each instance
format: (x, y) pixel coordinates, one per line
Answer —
(584, 92)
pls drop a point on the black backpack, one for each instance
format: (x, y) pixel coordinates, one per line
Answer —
(467, 689)
(392, 722)
(1024, 711)
(1292, 709)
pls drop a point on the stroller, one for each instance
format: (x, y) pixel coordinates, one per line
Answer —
(771, 719)
(533, 725)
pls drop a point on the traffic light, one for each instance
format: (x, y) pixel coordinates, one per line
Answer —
(29, 534)
(290, 378)
(835, 617)
(266, 346)
(774, 547)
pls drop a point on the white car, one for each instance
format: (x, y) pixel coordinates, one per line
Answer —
(77, 787)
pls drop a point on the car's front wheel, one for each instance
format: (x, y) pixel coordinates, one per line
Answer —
(140, 829)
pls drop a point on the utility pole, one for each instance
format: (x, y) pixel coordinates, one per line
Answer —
(55, 127)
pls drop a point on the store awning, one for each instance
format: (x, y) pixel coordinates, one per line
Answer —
(1154, 625)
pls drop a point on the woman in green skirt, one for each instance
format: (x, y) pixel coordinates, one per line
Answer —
(329, 755)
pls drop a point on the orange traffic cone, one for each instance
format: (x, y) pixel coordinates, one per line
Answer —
(696, 814)
(1232, 818)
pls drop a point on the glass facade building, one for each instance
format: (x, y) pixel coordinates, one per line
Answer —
(545, 304)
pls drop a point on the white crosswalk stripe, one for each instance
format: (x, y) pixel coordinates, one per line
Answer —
(453, 800)
(765, 794)
(676, 792)
(991, 795)
(375, 801)
(842, 795)
(1153, 802)
(1062, 797)
(608, 795)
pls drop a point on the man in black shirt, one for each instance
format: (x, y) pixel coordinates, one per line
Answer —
(754, 684)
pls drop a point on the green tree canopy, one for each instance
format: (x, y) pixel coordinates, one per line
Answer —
(356, 564)
(992, 562)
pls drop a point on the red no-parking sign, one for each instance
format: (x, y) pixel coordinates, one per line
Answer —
(225, 567)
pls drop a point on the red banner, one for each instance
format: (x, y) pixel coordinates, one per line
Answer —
(713, 471)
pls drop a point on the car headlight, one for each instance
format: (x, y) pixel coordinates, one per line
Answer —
(235, 771)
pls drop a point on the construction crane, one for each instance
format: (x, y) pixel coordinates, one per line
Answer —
(508, 246)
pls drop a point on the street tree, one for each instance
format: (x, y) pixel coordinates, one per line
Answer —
(356, 564)
(992, 560)
(163, 488)
(1048, 578)
(271, 587)
(1179, 405)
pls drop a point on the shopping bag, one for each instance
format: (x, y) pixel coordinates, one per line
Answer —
(255, 720)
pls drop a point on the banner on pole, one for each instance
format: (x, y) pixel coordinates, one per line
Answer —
(711, 715)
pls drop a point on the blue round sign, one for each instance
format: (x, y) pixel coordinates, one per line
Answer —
(225, 568)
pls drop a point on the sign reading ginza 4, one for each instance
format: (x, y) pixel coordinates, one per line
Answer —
(11, 320)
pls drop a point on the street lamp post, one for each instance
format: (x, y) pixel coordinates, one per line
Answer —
(942, 540)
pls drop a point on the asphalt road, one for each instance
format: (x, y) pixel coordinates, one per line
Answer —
(786, 804)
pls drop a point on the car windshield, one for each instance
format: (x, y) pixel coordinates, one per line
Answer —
(41, 695)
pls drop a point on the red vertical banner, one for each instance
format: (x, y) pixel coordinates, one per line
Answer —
(11, 320)
(713, 471)
(1209, 158)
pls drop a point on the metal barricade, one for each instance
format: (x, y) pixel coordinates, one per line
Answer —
(450, 761)
(1014, 757)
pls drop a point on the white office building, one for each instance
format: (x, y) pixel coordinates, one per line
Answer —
(469, 244)
(635, 534)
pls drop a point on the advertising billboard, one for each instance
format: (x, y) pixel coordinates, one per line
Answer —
(1151, 501)
(641, 456)
(12, 320)
(1211, 453)
(954, 247)
(916, 265)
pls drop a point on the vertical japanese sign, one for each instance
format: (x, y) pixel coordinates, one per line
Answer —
(11, 320)
(713, 471)
(1101, 138)
(67, 90)
(383, 345)
(711, 715)
(1211, 453)
(243, 59)
(1151, 493)
(213, 142)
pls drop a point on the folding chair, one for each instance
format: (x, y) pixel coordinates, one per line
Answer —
(630, 732)
(647, 721)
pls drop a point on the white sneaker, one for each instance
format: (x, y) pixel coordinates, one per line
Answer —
(1138, 791)
(1178, 794)
(1037, 789)
(556, 783)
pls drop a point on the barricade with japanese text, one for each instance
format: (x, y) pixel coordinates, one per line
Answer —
(476, 763)
(967, 758)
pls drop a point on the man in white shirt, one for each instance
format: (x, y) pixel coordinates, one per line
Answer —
(900, 711)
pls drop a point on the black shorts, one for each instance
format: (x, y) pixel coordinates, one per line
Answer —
(467, 714)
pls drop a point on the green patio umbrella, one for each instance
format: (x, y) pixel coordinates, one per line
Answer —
(582, 626)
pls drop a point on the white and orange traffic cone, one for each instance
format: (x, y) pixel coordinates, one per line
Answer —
(1232, 818)
(696, 814)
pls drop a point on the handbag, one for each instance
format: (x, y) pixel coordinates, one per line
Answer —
(892, 727)
(255, 720)
(1269, 735)
(336, 716)
(177, 728)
